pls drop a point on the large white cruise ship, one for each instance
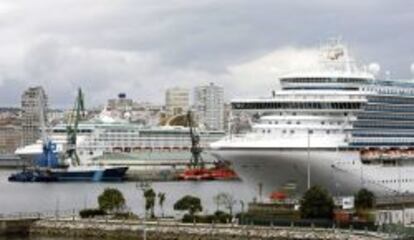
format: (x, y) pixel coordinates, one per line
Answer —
(335, 125)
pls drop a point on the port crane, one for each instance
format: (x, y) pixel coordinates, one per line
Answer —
(196, 150)
(197, 170)
(78, 112)
(48, 158)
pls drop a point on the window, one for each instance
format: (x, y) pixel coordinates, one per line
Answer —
(323, 123)
(292, 131)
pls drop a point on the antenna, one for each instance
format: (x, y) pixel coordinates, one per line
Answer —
(387, 75)
(42, 117)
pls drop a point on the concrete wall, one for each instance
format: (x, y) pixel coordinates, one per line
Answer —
(15, 227)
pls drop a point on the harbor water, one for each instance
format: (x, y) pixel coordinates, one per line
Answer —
(52, 197)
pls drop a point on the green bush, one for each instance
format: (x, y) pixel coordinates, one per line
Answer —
(91, 212)
(364, 199)
(188, 218)
(316, 203)
(111, 200)
(222, 217)
(125, 216)
(217, 217)
(189, 203)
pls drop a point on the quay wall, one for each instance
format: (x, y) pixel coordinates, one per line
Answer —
(20, 227)
(111, 229)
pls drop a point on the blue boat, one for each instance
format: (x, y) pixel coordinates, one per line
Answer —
(49, 167)
(89, 173)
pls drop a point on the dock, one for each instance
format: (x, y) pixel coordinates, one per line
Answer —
(167, 230)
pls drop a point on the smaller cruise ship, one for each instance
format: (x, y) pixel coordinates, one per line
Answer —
(111, 141)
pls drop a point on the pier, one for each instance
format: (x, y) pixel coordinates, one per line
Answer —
(166, 230)
(68, 224)
(17, 224)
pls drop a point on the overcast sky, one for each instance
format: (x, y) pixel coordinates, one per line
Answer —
(142, 47)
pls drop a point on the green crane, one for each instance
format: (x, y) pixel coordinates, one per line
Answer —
(196, 149)
(78, 112)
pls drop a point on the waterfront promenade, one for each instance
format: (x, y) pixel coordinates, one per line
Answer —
(166, 230)
(68, 224)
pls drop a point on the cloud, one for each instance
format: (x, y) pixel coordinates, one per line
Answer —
(141, 47)
(259, 76)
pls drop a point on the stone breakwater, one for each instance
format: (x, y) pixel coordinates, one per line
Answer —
(179, 231)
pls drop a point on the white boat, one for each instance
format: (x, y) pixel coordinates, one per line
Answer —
(110, 141)
(335, 125)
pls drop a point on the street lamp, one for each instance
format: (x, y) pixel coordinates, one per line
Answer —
(309, 163)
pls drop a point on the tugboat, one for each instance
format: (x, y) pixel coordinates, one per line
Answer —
(197, 170)
(49, 168)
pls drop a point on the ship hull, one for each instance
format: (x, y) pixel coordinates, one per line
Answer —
(340, 172)
(109, 174)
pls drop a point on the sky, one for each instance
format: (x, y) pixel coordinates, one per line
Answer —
(143, 47)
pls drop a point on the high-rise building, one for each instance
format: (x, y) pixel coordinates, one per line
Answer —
(122, 103)
(34, 100)
(10, 132)
(209, 103)
(177, 100)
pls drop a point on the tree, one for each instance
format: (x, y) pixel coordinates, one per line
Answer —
(364, 199)
(316, 203)
(149, 195)
(225, 199)
(111, 200)
(217, 201)
(161, 200)
(189, 203)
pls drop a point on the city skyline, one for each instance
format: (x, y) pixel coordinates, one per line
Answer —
(144, 47)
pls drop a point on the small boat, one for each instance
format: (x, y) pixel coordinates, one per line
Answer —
(31, 175)
(71, 174)
(94, 173)
(52, 167)
(215, 173)
(195, 174)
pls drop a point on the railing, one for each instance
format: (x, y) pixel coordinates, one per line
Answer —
(57, 214)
